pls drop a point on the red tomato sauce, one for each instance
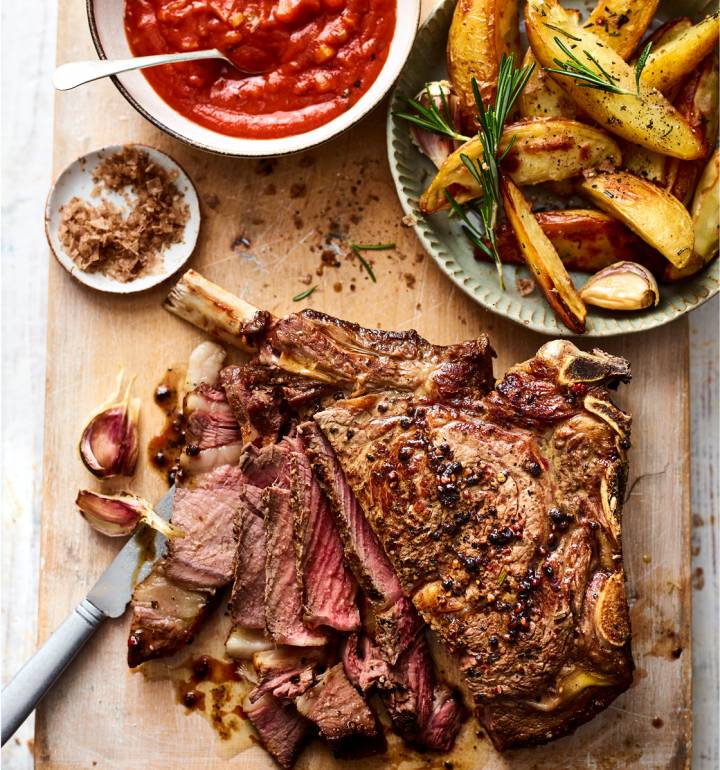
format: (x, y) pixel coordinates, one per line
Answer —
(310, 59)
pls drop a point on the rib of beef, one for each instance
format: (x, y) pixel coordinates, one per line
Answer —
(497, 505)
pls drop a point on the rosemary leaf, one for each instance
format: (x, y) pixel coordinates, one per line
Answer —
(304, 294)
(372, 246)
(431, 118)
(640, 64)
(561, 31)
(585, 76)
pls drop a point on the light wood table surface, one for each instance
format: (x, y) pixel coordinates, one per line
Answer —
(28, 53)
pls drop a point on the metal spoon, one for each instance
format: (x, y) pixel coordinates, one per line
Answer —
(74, 74)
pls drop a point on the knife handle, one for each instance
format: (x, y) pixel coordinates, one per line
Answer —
(36, 677)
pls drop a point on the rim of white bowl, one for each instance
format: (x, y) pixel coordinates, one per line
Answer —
(407, 20)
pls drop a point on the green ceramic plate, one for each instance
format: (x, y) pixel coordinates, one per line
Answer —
(444, 241)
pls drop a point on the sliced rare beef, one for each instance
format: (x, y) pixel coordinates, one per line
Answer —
(363, 552)
(205, 512)
(283, 732)
(446, 718)
(247, 598)
(503, 524)
(211, 422)
(394, 620)
(343, 718)
(426, 713)
(287, 672)
(171, 603)
(283, 599)
(328, 589)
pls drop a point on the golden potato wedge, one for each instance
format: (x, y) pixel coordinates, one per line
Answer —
(645, 163)
(621, 23)
(545, 265)
(698, 104)
(673, 61)
(665, 33)
(647, 118)
(639, 160)
(705, 212)
(480, 32)
(585, 240)
(542, 97)
(545, 149)
(656, 216)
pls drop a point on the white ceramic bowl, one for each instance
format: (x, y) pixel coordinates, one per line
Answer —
(76, 181)
(108, 34)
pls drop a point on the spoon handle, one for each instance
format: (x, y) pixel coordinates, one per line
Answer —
(73, 74)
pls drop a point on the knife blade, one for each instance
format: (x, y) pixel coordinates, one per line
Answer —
(108, 598)
(113, 590)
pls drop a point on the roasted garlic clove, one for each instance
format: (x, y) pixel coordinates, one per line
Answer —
(109, 443)
(119, 515)
(621, 286)
(435, 146)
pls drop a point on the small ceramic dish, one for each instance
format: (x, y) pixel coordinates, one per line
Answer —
(443, 239)
(108, 33)
(76, 181)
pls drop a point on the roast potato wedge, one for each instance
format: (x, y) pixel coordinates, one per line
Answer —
(542, 97)
(545, 149)
(698, 104)
(545, 265)
(656, 216)
(705, 210)
(647, 118)
(645, 163)
(673, 61)
(665, 33)
(621, 23)
(480, 32)
(586, 240)
(705, 213)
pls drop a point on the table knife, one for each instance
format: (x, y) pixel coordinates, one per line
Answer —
(108, 598)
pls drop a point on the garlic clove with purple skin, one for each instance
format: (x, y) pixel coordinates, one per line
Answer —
(109, 443)
(119, 515)
(435, 146)
(621, 286)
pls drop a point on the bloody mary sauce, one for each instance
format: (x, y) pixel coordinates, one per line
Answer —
(311, 59)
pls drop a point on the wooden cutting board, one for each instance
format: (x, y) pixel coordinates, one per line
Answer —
(266, 226)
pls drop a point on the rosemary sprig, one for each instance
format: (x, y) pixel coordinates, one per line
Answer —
(431, 118)
(640, 64)
(357, 248)
(304, 294)
(485, 171)
(584, 75)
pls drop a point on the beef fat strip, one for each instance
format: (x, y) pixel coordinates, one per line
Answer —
(498, 505)
(169, 605)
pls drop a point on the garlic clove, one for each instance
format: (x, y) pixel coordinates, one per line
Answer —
(109, 443)
(435, 146)
(119, 515)
(621, 286)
